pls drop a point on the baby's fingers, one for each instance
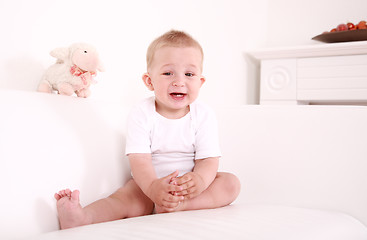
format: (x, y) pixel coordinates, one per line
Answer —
(174, 188)
(173, 198)
(188, 193)
(170, 207)
(187, 185)
(184, 179)
(170, 204)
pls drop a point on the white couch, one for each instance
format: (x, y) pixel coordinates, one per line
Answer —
(302, 168)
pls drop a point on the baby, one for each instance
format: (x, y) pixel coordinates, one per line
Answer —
(172, 145)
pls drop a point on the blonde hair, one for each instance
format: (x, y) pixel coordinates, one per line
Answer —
(172, 38)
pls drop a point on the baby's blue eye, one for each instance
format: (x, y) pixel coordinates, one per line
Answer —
(189, 74)
(167, 74)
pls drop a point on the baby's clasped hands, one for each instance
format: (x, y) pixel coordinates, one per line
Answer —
(192, 185)
(160, 192)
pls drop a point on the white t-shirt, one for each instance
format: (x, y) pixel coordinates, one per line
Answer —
(173, 143)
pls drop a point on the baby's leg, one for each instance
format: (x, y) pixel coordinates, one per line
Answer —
(223, 191)
(128, 201)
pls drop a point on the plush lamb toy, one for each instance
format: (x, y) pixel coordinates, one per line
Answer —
(73, 71)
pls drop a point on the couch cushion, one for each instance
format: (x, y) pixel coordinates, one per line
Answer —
(238, 221)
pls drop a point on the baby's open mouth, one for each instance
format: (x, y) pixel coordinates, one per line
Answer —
(177, 94)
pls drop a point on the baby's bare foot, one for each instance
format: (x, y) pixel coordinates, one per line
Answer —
(71, 213)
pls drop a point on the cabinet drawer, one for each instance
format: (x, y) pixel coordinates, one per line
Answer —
(327, 78)
(332, 67)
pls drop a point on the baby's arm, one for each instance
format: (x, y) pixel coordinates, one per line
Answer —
(157, 189)
(195, 182)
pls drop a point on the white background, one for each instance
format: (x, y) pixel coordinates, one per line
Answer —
(122, 31)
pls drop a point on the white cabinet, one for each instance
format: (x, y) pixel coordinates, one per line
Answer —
(320, 73)
(278, 81)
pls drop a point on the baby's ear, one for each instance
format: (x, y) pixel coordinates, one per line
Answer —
(202, 79)
(60, 53)
(148, 81)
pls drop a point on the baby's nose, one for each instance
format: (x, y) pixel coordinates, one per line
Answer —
(178, 83)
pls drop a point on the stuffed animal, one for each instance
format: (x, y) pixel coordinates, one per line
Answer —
(73, 71)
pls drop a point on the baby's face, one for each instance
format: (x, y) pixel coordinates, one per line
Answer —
(175, 77)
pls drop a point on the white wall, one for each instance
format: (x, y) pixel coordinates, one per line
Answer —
(122, 30)
(295, 22)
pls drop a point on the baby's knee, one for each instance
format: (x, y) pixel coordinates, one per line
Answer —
(233, 185)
